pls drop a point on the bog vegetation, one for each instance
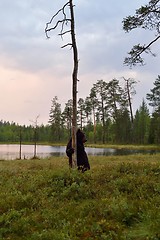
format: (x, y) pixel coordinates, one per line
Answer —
(117, 199)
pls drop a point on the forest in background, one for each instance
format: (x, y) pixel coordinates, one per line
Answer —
(106, 116)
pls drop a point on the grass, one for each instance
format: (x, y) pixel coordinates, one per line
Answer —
(126, 146)
(118, 199)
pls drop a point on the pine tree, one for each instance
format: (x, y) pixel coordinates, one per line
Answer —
(55, 119)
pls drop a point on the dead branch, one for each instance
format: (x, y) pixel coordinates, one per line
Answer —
(63, 22)
(66, 45)
(63, 33)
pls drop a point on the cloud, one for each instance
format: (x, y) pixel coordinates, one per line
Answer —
(34, 69)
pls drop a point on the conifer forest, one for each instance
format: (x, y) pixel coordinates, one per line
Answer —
(106, 116)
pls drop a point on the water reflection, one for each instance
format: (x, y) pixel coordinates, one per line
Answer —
(11, 151)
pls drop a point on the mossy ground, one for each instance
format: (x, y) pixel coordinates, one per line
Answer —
(119, 199)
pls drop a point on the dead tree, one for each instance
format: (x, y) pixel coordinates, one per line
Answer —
(35, 127)
(130, 91)
(52, 26)
(20, 142)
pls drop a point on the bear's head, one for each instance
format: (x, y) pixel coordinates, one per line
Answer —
(81, 138)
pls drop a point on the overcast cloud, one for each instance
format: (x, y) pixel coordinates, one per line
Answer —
(34, 69)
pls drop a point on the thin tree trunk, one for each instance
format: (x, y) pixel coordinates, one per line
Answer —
(75, 67)
(20, 143)
(94, 123)
(35, 142)
(130, 104)
(103, 123)
(74, 87)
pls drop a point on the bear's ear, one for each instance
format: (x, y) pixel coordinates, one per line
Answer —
(80, 135)
(79, 130)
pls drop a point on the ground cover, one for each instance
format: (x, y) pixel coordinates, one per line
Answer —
(117, 199)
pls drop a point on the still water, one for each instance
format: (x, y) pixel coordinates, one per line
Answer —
(12, 151)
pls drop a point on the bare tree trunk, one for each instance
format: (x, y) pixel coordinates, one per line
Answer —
(130, 91)
(35, 142)
(74, 86)
(94, 123)
(35, 126)
(129, 100)
(103, 123)
(20, 143)
(73, 44)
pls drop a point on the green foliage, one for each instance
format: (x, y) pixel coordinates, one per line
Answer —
(55, 119)
(146, 17)
(154, 96)
(105, 116)
(10, 132)
(141, 125)
(117, 199)
(154, 100)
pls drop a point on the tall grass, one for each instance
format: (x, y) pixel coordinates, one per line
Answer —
(119, 199)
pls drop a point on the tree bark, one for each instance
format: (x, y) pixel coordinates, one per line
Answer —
(74, 86)
(129, 100)
(73, 44)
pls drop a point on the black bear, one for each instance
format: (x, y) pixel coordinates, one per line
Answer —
(82, 159)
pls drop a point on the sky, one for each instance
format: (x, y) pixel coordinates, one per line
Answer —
(34, 69)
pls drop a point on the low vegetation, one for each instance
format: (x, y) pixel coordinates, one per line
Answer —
(123, 146)
(118, 199)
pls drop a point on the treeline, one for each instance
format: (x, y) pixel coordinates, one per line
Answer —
(105, 115)
(12, 132)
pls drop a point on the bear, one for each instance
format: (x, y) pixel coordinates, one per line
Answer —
(82, 158)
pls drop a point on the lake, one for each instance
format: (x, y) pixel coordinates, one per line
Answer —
(12, 151)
